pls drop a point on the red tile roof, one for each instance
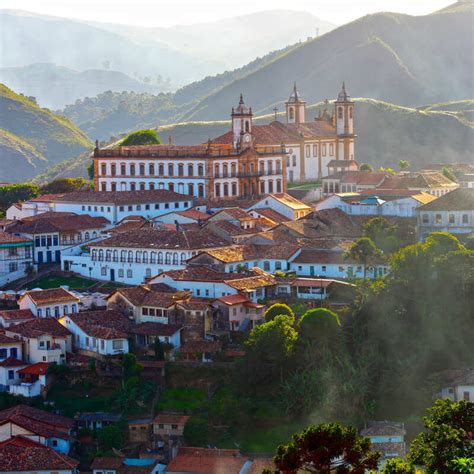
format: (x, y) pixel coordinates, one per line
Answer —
(6, 238)
(271, 214)
(7, 340)
(207, 461)
(193, 214)
(145, 295)
(44, 224)
(164, 418)
(155, 329)
(12, 362)
(233, 299)
(191, 347)
(19, 454)
(38, 327)
(106, 462)
(163, 239)
(17, 314)
(200, 273)
(234, 212)
(52, 295)
(106, 324)
(40, 368)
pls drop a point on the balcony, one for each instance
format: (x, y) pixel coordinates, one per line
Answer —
(27, 389)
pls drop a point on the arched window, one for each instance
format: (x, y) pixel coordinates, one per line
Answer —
(153, 257)
(145, 257)
(190, 170)
(142, 186)
(175, 258)
(200, 170)
(132, 170)
(94, 234)
(226, 189)
(201, 190)
(262, 187)
(151, 186)
(270, 186)
(339, 112)
(123, 256)
(151, 169)
(123, 186)
(94, 255)
(232, 170)
(191, 189)
(247, 126)
(180, 169)
(183, 259)
(160, 258)
(101, 255)
(216, 170)
(161, 185)
(115, 256)
(170, 169)
(130, 256)
(113, 187)
(123, 169)
(234, 189)
(350, 112)
(224, 170)
(171, 186)
(142, 169)
(86, 235)
(161, 170)
(132, 186)
(138, 256)
(218, 190)
(168, 258)
(291, 113)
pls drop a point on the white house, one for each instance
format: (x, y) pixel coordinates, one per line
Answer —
(284, 204)
(460, 386)
(16, 257)
(134, 256)
(52, 302)
(11, 317)
(10, 348)
(453, 212)
(44, 340)
(9, 373)
(98, 332)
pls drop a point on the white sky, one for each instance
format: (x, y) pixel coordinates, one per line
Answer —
(172, 12)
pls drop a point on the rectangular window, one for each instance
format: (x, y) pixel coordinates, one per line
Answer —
(438, 219)
(121, 208)
(425, 218)
(103, 271)
(121, 273)
(308, 151)
(324, 151)
(465, 218)
(451, 218)
(157, 206)
(129, 273)
(117, 344)
(315, 150)
(331, 149)
(294, 160)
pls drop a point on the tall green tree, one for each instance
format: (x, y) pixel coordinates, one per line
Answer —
(365, 252)
(65, 185)
(278, 309)
(13, 193)
(449, 427)
(398, 466)
(326, 448)
(382, 234)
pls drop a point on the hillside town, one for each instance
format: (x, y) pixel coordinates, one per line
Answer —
(153, 282)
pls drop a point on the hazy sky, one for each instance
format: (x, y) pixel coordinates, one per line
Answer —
(171, 12)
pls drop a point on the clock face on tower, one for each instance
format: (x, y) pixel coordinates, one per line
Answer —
(247, 138)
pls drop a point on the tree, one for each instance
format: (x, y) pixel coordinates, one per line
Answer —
(65, 185)
(448, 173)
(141, 137)
(130, 367)
(319, 323)
(382, 234)
(364, 252)
(278, 309)
(159, 351)
(366, 167)
(300, 392)
(449, 426)
(90, 171)
(398, 466)
(13, 193)
(326, 448)
(111, 436)
(403, 165)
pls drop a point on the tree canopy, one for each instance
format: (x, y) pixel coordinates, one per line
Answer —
(364, 251)
(65, 185)
(141, 137)
(13, 193)
(278, 309)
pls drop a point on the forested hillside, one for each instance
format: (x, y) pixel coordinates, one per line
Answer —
(32, 139)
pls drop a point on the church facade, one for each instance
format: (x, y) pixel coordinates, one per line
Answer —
(313, 147)
(248, 161)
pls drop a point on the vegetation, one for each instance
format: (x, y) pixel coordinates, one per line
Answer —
(141, 137)
(13, 193)
(327, 448)
(366, 167)
(365, 252)
(32, 138)
(65, 185)
(278, 309)
(55, 281)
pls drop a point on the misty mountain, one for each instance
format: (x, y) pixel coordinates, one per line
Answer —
(431, 134)
(55, 86)
(32, 139)
(408, 60)
(182, 53)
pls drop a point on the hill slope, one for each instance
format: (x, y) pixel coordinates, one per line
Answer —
(436, 133)
(32, 138)
(393, 57)
(56, 86)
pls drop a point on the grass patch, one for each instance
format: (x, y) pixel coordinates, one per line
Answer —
(56, 281)
(182, 399)
(306, 186)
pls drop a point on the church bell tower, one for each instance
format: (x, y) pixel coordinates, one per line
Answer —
(242, 125)
(295, 107)
(344, 113)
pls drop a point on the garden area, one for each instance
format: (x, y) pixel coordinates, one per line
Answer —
(55, 281)
(305, 186)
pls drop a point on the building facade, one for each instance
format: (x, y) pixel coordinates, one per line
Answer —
(15, 257)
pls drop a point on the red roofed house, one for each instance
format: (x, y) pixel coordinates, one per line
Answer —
(44, 340)
(237, 313)
(10, 317)
(53, 302)
(37, 425)
(99, 332)
(23, 455)
(166, 425)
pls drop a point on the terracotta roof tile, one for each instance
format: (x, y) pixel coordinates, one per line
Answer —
(145, 295)
(6, 238)
(12, 362)
(191, 347)
(40, 368)
(7, 340)
(200, 273)
(106, 324)
(155, 329)
(271, 214)
(51, 295)
(43, 224)
(461, 199)
(164, 418)
(38, 327)
(17, 314)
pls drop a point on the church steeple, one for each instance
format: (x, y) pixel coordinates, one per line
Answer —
(295, 107)
(344, 113)
(242, 124)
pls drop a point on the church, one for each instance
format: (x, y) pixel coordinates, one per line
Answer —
(248, 161)
(312, 147)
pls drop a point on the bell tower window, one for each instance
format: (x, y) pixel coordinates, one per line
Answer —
(339, 112)
(291, 113)
(247, 126)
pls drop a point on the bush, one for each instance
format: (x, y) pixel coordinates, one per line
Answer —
(278, 309)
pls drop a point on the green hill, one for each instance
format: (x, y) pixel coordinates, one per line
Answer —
(386, 134)
(408, 60)
(32, 139)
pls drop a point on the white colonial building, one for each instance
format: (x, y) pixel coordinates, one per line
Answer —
(15, 257)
